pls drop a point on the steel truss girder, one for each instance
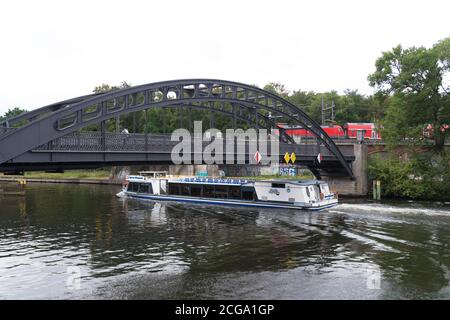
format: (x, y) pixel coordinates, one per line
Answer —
(37, 113)
(84, 111)
(245, 113)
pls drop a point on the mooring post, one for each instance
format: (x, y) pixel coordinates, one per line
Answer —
(374, 189)
(378, 190)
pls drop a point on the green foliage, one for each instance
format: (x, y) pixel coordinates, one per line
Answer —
(415, 83)
(278, 89)
(98, 174)
(104, 87)
(12, 113)
(397, 125)
(425, 176)
(355, 107)
(349, 107)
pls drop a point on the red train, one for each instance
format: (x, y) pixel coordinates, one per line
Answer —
(349, 130)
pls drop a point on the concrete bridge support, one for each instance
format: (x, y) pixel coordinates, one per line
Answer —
(359, 186)
(240, 170)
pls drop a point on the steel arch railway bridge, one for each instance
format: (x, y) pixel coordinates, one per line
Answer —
(49, 138)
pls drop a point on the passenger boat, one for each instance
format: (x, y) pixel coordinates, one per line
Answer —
(307, 195)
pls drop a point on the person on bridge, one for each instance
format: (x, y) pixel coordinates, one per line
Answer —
(126, 133)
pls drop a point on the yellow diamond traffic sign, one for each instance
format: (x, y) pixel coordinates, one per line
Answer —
(287, 157)
(293, 157)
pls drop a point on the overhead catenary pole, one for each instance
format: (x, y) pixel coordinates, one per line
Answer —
(323, 113)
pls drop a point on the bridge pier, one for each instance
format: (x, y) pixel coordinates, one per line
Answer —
(359, 186)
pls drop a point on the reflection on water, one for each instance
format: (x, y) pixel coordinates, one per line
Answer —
(124, 249)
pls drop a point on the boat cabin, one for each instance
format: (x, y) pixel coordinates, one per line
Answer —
(303, 193)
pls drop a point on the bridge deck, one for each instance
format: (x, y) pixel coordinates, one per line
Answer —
(96, 149)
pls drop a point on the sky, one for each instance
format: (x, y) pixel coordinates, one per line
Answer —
(56, 50)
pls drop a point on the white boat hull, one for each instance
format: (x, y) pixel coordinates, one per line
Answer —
(297, 206)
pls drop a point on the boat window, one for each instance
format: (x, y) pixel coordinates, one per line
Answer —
(307, 193)
(174, 188)
(185, 190)
(208, 191)
(196, 190)
(248, 193)
(221, 192)
(278, 185)
(133, 187)
(145, 188)
(324, 188)
(234, 192)
(312, 192)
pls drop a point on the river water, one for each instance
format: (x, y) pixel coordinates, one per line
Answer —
(80, 241)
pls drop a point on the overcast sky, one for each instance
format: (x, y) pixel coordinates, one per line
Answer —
(55, 50)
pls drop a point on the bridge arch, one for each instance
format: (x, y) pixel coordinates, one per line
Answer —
(54, 121)
(263, 121)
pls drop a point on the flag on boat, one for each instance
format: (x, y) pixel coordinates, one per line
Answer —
(319, 158)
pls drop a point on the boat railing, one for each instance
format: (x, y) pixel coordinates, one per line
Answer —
(214, 180)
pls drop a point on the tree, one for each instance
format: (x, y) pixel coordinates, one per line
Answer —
(278, 89)
(12, 113)
(104, 87)
(303, 100)
(415, 82)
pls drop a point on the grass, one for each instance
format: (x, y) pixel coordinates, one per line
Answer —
(71, 174)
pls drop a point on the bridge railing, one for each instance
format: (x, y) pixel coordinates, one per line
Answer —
(98, 142)
(337, 140)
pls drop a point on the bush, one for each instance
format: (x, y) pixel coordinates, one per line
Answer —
(425, 177)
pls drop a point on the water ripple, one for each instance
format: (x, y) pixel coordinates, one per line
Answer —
(134, 249)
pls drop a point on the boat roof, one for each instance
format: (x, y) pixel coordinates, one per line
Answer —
(136, 177)
(210, 180)
(226, 181)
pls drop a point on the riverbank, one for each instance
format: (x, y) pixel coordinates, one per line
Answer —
(98, 174)
(74, 181)
(73, 176)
